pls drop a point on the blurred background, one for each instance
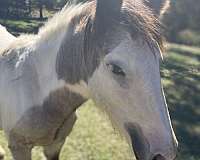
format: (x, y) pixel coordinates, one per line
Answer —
(93, 137)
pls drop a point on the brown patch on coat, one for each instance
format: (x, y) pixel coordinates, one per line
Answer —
(40, 124)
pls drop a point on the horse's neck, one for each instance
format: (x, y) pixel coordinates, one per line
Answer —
(62, 40)
(46, 53)
(45, 63)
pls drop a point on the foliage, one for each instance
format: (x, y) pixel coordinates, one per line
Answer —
(13, 8)
(189, 37)
(24, 8)
(183, 15)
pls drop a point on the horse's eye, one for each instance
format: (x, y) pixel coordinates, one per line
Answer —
(116, 69)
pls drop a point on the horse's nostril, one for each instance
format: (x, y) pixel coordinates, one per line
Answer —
(158, 157)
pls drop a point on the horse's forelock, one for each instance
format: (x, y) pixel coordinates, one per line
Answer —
(142, 22)
(135, 17)
(85, 46)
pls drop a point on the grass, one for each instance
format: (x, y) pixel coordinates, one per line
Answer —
(93, 137)
(17, 26)
(181, 79)
(26, 25)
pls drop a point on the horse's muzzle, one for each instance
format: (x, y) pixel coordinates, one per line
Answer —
(140, 144)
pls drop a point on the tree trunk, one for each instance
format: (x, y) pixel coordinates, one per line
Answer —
(41, 12)
(30, 7)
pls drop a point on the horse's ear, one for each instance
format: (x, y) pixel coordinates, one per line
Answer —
(158, 6)
(107, 11)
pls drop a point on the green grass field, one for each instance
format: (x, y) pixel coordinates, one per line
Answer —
(93, 137)
(181, 79)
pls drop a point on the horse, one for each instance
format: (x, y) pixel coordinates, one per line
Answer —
(6, 39)
(105, 50)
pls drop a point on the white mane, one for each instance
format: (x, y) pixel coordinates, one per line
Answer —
(53, 28)
(61, 20)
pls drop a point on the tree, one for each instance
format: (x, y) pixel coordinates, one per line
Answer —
(41, 4)
(29, 3)
(13, 8)
(183, 16)
(24, 8)
(4, 8)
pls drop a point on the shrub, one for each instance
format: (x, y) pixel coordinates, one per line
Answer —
(189, 37)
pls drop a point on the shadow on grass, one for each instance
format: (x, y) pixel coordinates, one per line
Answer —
(185, 52)
(183, 97)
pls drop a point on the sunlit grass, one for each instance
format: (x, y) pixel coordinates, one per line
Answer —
(181, 79)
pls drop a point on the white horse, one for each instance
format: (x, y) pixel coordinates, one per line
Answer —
(5, 40)
(107, 50)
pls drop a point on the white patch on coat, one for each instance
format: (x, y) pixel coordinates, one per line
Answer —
(30, 81)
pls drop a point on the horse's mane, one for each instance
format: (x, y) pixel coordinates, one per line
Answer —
(135, 17)
(6, 38)
(59, 23)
